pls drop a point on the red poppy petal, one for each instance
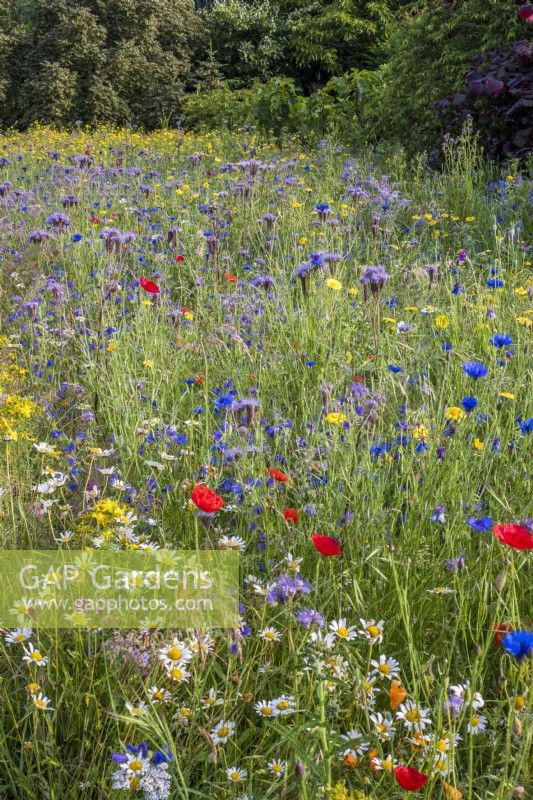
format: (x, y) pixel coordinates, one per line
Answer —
(291, 515)
(516, 536)
(206, 499)
(149, 286)
(410, 779)
(278, 475)
(326, 545)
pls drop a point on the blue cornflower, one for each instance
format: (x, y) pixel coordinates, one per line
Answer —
(495, 283)
(518, 643)
(482, 525)
(469, 403)
(475, 369)
(394, 368)
(525, 425)
(501, 340)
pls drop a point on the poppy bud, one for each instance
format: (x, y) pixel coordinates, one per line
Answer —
(299, 770)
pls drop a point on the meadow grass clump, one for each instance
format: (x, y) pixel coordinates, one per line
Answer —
(339, 350)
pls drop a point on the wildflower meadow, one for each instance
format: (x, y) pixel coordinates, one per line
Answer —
(321, 361)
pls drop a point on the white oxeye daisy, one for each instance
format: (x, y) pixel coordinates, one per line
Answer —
(212, 699)
(158, 695)
(136, 711)
(284, 705)
(384, 725)
(178, 673)
(342, 630)
(386, 763)
(177, 652)
(231, 543)
(277, 767)
(266, 708)
(477, 724)
(385, 668)
(17, 635)
(355, 739)
(184, 714)
(236, 775)
(270, 634)
(41, 702)
(413, 716)
(34, 656)
(372, 630)
(420, 742)
(441, 766)
(222, 731)
(293, 563)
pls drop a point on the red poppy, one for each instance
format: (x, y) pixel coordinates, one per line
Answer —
(410, 779)
(198, 379)
(514, 535)
(231, 278)
(206, 499)
(291, 515)
(281, 477)
(499, 630)
(326, 545)
(185, 310)
(180, 259)
(149, 286)
(95, 220)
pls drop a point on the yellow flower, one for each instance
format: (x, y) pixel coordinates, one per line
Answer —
(507, 395)
(454, 413)
(111, 346)
(148, 363)
(519, 702)
(353, 292)
(188, 315)
(334, 284)
(302, 240)
(442, 321)
(420, 432)
(335, 417)
(349, 357)
(470, 219)
(521, 291)
(478, 444)
(411, 308)
(525, 321)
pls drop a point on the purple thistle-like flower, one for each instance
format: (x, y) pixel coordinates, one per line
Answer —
(374, 277)
(38, 236)
(58, 220)
(308, 616)
(288, 587)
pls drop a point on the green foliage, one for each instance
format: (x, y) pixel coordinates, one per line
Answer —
(431, 47)
(219, 108)
(247, 39)
(119, 61)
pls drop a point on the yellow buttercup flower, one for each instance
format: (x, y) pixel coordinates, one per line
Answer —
(334, 284)
(454, 413)
(507, 395)
(335, 417)
(442, 321)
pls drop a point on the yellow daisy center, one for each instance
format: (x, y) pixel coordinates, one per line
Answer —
(412, 715)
